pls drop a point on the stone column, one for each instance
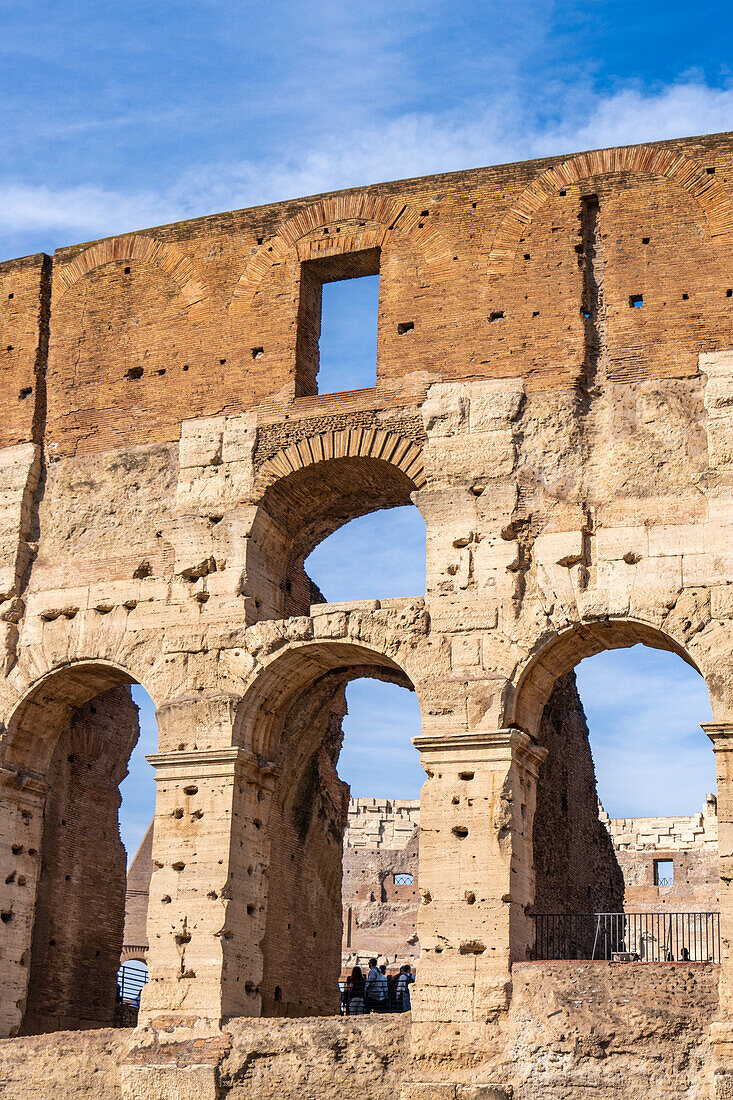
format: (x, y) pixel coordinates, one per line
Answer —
(721, 735)
(207, 906)
(21, 831)
(476, 878)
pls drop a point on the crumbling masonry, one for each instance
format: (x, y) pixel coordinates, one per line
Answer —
(553, 392)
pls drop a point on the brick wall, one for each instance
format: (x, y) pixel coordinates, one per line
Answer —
(78, 930)
(201, 318)
(576, 869)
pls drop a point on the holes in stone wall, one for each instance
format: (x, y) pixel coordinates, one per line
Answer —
(496, 315)
(645, 240)
(685, 297)
(729, 292)
(636, 301)
(404, 327)
(134, 373)
(127, 271)
(257, 353)
(25, 392)
(466, 776)
(460, 831)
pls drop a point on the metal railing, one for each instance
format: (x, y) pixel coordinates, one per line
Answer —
(638, 937)
(130, 982)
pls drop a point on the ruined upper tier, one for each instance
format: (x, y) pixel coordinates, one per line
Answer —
(488, 266)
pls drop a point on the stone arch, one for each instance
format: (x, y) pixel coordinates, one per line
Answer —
(68, 741)
(179, 268)
(563, 650)
(291, 715)
(573, 866)
(311, 488)
(281, 678)
(712, 197)
(368, 219)
(47, 704)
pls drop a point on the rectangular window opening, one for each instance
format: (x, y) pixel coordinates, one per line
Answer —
(336, 345)
(636, 301)
(663, 872)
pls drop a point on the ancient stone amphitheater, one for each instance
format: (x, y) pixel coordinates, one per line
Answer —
(554, 392)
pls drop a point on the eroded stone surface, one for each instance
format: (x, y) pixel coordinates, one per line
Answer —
(166, 466)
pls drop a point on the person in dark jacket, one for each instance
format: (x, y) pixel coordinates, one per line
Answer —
(354, 993)
(376, 996)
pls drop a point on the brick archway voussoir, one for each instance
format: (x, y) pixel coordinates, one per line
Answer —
(714, 200)
(352, 443)
(179, 268)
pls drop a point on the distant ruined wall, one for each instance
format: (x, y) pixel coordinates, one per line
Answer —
(77, 936)
(380, 915)
(576, 870)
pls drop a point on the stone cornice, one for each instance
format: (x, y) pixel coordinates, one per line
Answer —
(721, 735)
(211, 764)
(504, 743)
(15, 784)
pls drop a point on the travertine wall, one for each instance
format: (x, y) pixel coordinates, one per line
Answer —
(574, 1030)
(553, 390)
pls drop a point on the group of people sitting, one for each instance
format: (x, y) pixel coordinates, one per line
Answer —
(378, 991)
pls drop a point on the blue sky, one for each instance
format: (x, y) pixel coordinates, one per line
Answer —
(122, 116)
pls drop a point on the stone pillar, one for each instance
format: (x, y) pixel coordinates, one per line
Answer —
(721, 735)
(476, 878)
(21, 832)
(206, 915)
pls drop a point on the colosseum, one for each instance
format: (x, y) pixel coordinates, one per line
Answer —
(554, 393)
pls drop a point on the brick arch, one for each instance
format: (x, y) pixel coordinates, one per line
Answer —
(132, 953)
(564, 649)
(711, 196)
(370, 443)
(179, 268)
(370, 219)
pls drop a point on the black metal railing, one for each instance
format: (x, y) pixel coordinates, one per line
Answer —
(130, 982)
(639, 937)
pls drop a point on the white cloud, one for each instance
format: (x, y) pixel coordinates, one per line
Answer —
(409, 145)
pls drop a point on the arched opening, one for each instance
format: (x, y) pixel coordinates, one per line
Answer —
(313, 492)
(636, 876)
(74, 733)
(301, 729)
(132, 977)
